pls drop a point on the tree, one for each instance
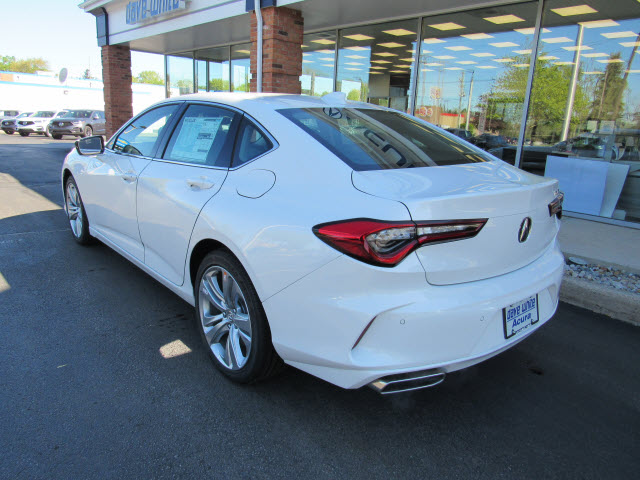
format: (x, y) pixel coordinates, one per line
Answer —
(87, 74)
(547, 107)
(150, 77)
(607, 98)
(218, 85)
(23, 65)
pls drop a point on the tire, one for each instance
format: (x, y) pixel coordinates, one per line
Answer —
(24, 134)
(9, 132)
(47, 132)
(56, 136)
(88, 131)
(225, 331)
(76, 214)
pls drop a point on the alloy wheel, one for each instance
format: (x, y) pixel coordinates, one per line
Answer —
(74, 210)
(224, 316)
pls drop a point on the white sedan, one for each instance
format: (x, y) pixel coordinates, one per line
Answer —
(351, 241)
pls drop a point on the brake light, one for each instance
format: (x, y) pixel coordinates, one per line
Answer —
(386, 244)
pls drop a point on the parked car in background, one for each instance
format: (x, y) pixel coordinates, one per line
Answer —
(79, 123)
(5, 114)
(38, 122)
(9, 125)
(487, 141)
(388, 254)
(461, 132)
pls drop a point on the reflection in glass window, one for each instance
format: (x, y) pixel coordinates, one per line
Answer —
(251, 143)
(180, 74)
(585, 106)
(375, 63)
(202, 137)
(240, 67)
(218, 59)
(201, 72)
(318, 62)
(141, 135)
(473, 72)
(368, 139)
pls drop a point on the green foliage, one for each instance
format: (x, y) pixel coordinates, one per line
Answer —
(607, 96)
(218, 85)
(23, 65)
(547, 107)
(150, 77)
(354, 95)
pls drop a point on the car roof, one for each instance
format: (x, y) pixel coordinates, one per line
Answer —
(256, 102)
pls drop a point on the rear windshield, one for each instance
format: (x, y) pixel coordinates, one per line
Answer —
(368, 139)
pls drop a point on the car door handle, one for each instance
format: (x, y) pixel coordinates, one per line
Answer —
(200, 183)
(129, 177)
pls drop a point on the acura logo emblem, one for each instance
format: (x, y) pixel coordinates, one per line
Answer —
(525, 230)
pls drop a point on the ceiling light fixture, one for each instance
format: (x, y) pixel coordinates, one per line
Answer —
(626, 34)
(324, 41)
(530, 31)
(458, 48)
(385, 54)
(399, 32)
(432, 40)
(503, 44)
(482, 54)
(575, 10)
(501, 19)
(476, 36)
(358, 37)
(557, 40)
(599, 24)
(447, 26)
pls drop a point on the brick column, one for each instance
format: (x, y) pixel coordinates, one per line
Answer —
(116, 76)
(281, 50)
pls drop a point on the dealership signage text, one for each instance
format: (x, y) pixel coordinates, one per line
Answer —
(141, 10)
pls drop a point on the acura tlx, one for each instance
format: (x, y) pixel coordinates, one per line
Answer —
(354, 242)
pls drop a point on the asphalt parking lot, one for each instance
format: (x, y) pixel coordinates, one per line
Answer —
(103, 376)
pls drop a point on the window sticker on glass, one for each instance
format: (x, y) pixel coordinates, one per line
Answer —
(195, 139)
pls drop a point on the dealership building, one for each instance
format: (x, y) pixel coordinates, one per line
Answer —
(552, 86)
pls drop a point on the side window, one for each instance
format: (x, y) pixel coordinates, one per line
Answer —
(142, 134)
(202, 137)
(251, 143)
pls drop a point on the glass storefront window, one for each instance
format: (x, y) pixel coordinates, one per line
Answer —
(473, 73)
(218, 59)
(180, 74)
(240, 67)
(201, 75)
(318, 63)
(583, 125)
(375, 63)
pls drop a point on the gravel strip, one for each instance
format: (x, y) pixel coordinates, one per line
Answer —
(606, 276)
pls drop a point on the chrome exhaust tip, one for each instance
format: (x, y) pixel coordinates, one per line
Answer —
(407, 382)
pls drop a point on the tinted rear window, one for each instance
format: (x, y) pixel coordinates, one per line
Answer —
(368, 139)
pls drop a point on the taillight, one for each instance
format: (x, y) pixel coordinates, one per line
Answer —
(387, 243)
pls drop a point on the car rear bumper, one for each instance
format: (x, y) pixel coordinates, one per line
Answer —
(351, 324)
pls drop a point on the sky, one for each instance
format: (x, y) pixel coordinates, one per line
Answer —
(61, 33)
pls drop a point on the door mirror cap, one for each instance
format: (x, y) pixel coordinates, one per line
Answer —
(90, 145)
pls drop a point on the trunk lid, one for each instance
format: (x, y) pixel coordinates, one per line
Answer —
(493, 190)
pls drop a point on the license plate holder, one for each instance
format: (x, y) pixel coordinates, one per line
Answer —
(519, 316)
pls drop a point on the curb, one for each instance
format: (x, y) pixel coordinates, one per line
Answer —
(616, 304)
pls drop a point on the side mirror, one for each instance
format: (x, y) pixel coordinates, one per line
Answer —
(96, 117)
(90, 145)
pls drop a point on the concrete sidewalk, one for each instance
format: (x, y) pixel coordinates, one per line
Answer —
(606, 245)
